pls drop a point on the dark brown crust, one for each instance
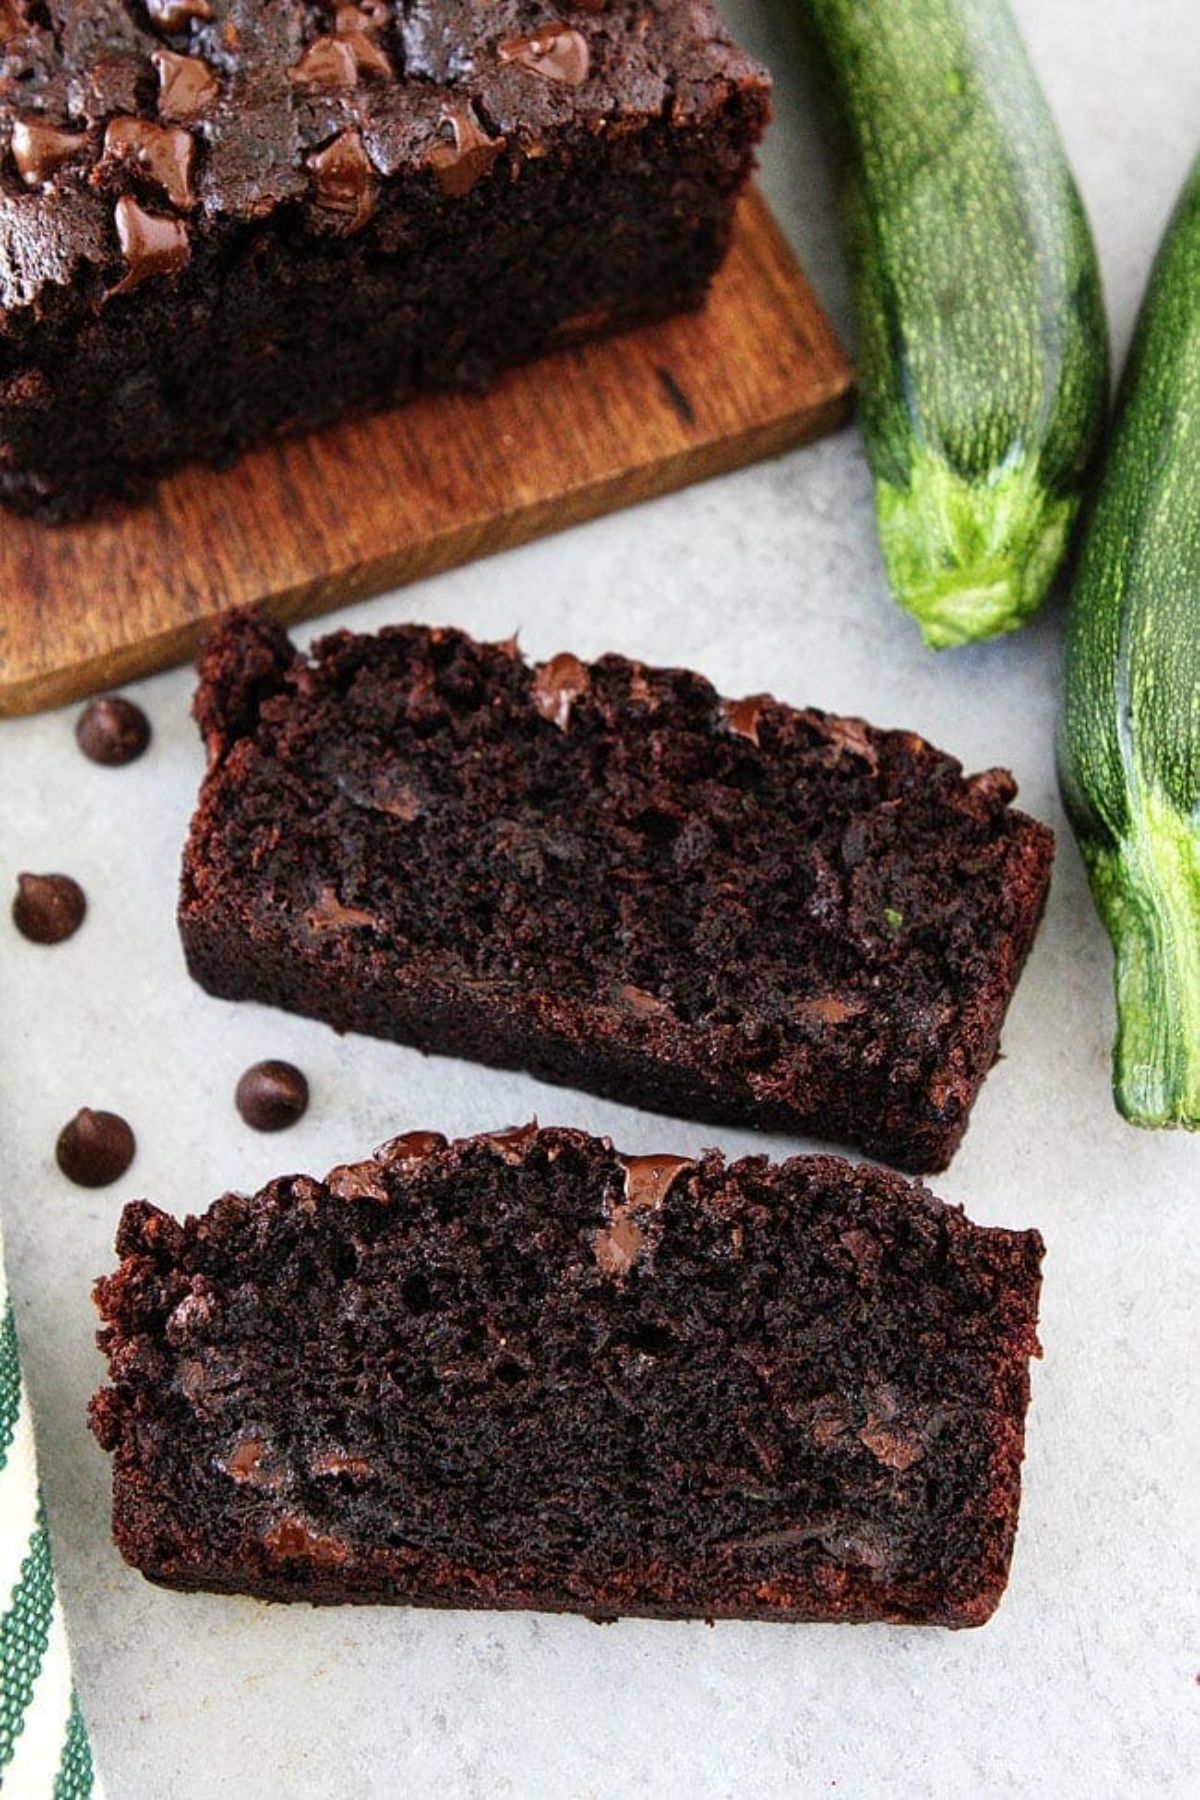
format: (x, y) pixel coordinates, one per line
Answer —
(758, 979)
(798, 1392)
(258, 220)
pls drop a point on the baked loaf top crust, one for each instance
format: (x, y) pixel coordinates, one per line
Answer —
(131, 132)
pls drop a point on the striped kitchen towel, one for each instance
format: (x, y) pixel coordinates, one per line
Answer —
(44, 1749)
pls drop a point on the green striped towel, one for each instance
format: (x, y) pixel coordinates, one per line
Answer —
(44, 1749)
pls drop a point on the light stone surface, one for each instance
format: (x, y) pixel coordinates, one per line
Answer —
(1085, 1682)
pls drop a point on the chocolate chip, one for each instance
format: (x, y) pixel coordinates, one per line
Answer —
(163, 153)
(556, 687)
(48, 908)
(169, 15)
(187, 86)
(556, 52)
(112, 731)
(39, 150)
(329, 64)
(742, 716)
(151, 245)
(95, 1149)
(271, 1096)
(344, 181)
(468, 158)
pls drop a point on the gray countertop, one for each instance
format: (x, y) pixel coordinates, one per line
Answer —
(1085, 1682)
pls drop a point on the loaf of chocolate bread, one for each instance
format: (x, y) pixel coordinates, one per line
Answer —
(612, 877)
(225, 218)
(521, 1370)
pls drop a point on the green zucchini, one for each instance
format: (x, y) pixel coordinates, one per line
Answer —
(1129, 755)
(982, 340)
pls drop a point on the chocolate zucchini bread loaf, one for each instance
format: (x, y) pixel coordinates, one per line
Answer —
(225, 218)
(612, 877)
(521, 1370)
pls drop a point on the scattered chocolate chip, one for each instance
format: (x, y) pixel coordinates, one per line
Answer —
(95, 1149)
(187, 87)
(468, 158)
(556, 52)
(272, 1095)
(556, 687)
(48, 908)
(170, 15)
(163, 153)
(329, 64)
(151, 245)
(344, 181)
(112, 731)
(40, 150)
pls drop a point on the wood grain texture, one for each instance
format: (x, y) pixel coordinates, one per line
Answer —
(309, 523)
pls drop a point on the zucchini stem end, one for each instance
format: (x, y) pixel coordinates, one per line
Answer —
(1148, 894)
(971, 560)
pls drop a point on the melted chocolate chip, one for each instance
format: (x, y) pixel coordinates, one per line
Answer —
(292, 1536)
(410, 1147)
(271, 1096)
(40, 150)
(636, 1000)
(616, 1249)
(742, 716)
(112, 731)
(344, 181)
(556, 52)
(330, 915)
(461, 163)
(854, 737)
(557, 685)
(328, 64)
(248, 1463)
(365, 1180)
(649, 1179)
(163, 153)
(170, 15)
(151, 245)
(335, 1463)
(187, 87)
(95, 1148)
(358, 1181)
(513, 1143)
(48, 908)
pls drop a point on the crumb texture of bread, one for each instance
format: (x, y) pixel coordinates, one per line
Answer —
(608, 875)
(523, 1370)
(225, 219)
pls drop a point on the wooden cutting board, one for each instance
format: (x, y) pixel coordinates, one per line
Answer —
(308, 523)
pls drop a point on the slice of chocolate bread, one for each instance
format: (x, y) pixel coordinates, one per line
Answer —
(521, 1370)
(611, 877)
